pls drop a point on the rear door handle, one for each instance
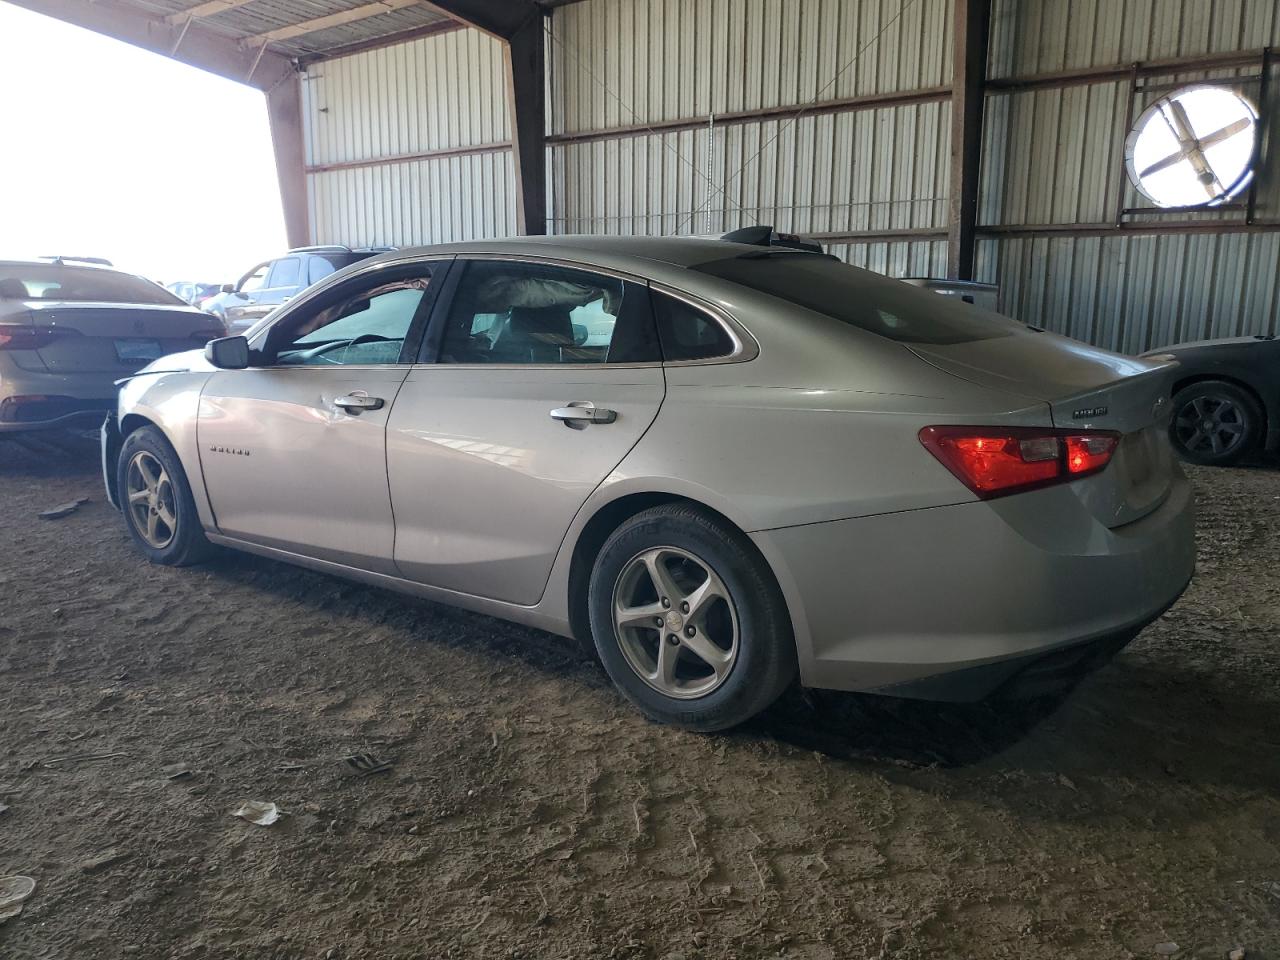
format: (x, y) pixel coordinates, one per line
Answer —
(579, 413)
(357, 402)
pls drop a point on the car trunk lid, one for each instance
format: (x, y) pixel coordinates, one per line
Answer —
(1085, 388)
(112, 337)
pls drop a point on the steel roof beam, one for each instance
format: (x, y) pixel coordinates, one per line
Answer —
(339, 19)
(971, 33)
(204, 10)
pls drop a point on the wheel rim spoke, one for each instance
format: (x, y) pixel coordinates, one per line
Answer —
(654, 562)
(700, 645)
(645, 615)
(665, 675)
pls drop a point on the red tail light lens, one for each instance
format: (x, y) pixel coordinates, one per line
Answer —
(997, 461)
(20, 336)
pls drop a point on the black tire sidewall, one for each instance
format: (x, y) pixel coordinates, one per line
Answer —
(189, 545)
(766, 661)
(1227, 391)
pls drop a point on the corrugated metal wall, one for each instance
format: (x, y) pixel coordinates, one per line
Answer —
(646, 104)
(442, 95)
(619, 66)
(1055, 156)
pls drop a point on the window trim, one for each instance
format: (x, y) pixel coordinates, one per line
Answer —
(745, 347)
(429, 355)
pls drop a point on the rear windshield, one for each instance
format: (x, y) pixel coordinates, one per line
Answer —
(877, 304)
(52, 281)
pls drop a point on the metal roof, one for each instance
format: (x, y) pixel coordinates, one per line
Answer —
(300, 29)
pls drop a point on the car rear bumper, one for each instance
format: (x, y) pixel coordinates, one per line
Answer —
(955, 602)
(22, 414)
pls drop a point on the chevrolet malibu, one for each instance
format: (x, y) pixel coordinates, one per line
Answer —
(726, 464)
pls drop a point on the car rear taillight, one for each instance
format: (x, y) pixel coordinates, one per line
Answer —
(20, 336)
(997, 461)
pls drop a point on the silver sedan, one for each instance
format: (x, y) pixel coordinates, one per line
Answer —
(727, 465)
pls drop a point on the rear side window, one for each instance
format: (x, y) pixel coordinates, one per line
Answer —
(284, 273)
(879, 305)
(529, 313)
(318, 268)
(688, 333)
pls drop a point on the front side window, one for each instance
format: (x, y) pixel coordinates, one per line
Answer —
(254, 279)
(366, 327)
(536, 314)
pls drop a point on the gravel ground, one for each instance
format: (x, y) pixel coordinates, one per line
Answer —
(529, 813)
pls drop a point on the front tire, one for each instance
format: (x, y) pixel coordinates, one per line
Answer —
(688, 620)
(156, 500)
(1215, 423)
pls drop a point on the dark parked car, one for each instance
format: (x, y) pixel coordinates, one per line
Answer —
(273, 282)
(1226, 399)
(68, 331)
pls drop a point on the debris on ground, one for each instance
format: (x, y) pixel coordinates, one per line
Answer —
(176, 771)
(13, 890)
(366, 763)
(1237, 953)
(4, 807)
(103, 861)
(258, 812)
(83, 758)
(63, 509)
(1167, 949)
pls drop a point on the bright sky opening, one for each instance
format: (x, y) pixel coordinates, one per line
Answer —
(113, 151)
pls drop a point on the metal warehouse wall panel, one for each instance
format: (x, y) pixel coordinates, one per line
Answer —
(897, 258)
(1039, 36)
(426, 201)
(437, 93)
(1134, 293)
(834, 173)
(368, 115)
(627, 62)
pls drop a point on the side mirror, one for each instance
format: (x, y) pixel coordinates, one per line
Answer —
(228, 353)
(227, 288)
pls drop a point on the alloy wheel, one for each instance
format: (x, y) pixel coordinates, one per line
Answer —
(676, 623)
(1210, 426)
(150, 498)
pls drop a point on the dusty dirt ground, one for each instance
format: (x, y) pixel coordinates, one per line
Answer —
(531, 814)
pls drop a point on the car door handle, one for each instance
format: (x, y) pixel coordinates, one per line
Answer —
(579, 413)
(356, 402)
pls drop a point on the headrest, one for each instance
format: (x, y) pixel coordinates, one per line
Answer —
(11, 288)
(543, 324)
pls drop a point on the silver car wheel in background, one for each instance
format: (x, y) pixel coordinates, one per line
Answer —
(676, 623)
(149, 494)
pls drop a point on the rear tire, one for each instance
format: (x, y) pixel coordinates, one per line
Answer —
(724, 650)
(1215, 423)
(156, 501)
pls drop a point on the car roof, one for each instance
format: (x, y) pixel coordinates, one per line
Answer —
(600, 250)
